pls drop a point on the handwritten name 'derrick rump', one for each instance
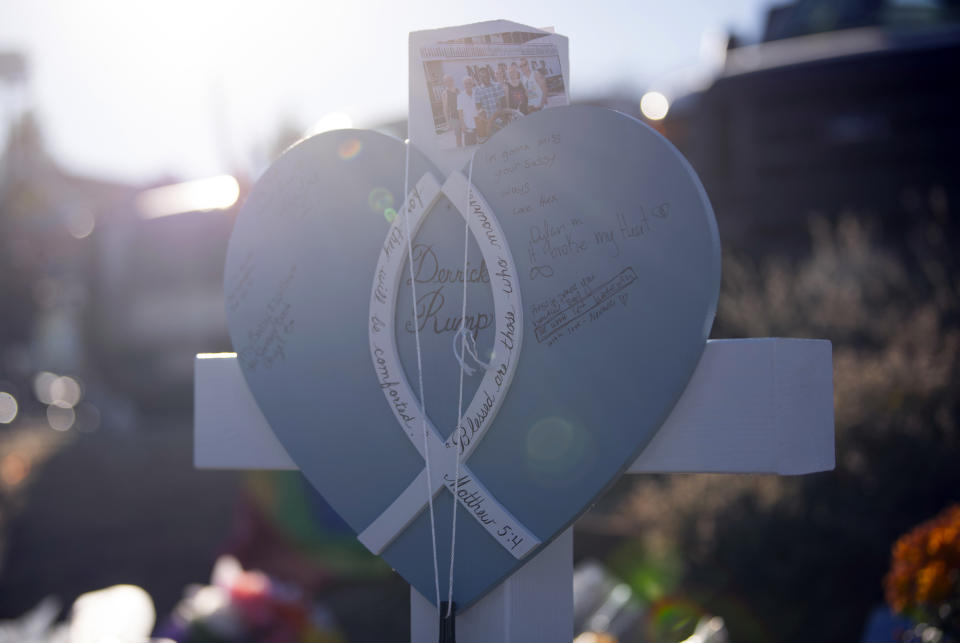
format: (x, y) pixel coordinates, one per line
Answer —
(471, 499)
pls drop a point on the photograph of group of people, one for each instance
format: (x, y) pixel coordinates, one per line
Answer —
(473, 98)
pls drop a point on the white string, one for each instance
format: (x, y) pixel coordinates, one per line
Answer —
(423, 398)
(463, 367)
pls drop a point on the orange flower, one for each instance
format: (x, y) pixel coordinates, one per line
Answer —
(925, 563)
(933, 582)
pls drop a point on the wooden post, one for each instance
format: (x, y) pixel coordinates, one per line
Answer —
(534, 605)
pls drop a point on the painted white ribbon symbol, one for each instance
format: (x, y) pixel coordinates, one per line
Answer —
(469, 492)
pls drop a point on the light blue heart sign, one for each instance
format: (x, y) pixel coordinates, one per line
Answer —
(501, 341)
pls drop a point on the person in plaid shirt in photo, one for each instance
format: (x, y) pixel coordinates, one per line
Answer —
(490, 97)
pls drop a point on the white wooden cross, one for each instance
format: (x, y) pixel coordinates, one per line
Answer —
(751, 406)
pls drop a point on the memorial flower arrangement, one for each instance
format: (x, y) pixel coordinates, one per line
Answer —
(924, 577)
(241, 605)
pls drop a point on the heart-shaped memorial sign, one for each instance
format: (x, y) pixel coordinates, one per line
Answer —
(590, 263)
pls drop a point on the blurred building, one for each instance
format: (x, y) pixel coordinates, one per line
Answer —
(157, 288)
(845, 105)
(118, 284)
(47, 218)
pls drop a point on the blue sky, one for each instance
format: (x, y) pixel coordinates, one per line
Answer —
(133, 90)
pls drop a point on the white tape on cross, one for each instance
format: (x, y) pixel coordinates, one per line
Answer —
(479, 416)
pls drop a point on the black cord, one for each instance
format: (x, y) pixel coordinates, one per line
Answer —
(448, 630)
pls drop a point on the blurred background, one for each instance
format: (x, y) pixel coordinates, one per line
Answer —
(826, 134)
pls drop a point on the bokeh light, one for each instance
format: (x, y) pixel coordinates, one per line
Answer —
(350, 149)
(654, 105)
(14, 469)
(595, 637)
(42, 382)
(556, 448)
(380, 201)
(673, 616)
(8, 408)
(117, 613)
(549, 439)
(214, 193)
(60, 418)
(65, 391)
(80, 223)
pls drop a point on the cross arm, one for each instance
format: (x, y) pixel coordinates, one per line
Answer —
(752, 406)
